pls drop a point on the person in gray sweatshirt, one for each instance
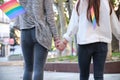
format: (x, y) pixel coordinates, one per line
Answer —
(38, 28)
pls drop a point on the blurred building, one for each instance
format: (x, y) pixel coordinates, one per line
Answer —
(4, 34)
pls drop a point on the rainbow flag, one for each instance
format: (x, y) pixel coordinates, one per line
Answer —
(12, 9)
(93, 17)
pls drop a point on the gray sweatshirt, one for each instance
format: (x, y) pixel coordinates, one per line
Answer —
(39, 14)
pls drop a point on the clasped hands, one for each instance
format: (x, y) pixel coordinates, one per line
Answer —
(61, 44)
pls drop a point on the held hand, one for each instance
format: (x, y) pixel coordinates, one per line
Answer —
(61, 46)
(56, 41)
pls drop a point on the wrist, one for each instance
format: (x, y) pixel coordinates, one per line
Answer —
(65, 41)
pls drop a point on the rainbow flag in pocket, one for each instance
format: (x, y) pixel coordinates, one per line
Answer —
(12, 9)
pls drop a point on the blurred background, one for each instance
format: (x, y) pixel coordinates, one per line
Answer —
(10, 37)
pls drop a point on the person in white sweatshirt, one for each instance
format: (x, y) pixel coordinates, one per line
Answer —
(92, 39)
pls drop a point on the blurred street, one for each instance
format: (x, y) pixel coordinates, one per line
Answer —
(13, 70)
(15, 73)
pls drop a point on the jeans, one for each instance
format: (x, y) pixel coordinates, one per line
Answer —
(34, 55)
(98, 52)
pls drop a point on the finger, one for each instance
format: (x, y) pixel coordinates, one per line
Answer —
(57, 41)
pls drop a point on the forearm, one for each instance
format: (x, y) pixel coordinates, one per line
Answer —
(115, 25)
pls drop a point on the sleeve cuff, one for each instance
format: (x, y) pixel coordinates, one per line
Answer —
(67, 37)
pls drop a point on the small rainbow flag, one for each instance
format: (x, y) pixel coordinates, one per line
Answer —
(93, 17)
(12, 9)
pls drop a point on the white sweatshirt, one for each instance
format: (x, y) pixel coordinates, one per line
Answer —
(84, 29)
